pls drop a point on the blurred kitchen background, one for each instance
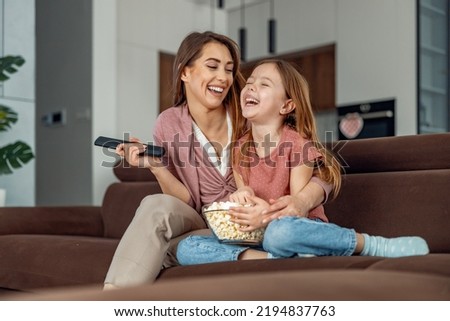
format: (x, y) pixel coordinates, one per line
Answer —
(103, 67)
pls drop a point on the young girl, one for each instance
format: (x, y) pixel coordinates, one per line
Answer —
(205, 117)
(273, 162)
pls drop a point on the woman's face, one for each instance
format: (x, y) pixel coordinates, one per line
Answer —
(210, 77)
(263, 96)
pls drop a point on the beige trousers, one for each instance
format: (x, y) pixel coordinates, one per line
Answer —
(151, 239)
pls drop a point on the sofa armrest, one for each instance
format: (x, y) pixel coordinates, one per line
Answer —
(67, 220)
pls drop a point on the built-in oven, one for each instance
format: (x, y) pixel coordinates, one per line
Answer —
(367, 119)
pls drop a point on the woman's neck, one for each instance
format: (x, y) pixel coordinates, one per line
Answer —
(209, 119)
(213, 124)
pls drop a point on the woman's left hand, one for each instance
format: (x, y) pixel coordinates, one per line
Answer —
(249, 217)
(287, 205)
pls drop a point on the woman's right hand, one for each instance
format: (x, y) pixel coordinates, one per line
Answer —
(131, 151)
(249, 217)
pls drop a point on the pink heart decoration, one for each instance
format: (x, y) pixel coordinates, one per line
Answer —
(351, 125)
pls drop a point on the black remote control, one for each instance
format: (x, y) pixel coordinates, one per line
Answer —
(107, 142)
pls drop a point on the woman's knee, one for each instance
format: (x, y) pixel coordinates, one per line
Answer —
(155, 208)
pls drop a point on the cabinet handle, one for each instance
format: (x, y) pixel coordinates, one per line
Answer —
(375, 115)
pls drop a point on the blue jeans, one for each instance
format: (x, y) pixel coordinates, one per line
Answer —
(286, 237)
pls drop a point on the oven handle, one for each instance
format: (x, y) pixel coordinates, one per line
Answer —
(375, 115)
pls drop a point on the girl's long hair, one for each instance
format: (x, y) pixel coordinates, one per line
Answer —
(302, 120)
(189, 51)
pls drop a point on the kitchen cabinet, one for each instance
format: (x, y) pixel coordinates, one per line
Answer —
(165, 80)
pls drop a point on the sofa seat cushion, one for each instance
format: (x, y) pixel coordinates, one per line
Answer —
(38, 261)
(437, 264)
(275, 265)
(312, 285)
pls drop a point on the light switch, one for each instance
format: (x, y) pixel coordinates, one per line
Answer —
(57, 118)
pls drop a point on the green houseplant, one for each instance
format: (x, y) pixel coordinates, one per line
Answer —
(13, 155)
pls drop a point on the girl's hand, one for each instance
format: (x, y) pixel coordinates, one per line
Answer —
(242, 195)
(131, 153)
(249, 217)
(285, 206)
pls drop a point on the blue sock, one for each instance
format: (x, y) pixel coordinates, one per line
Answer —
(394, 247)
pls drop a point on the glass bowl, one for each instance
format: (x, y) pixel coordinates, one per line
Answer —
(218, 219)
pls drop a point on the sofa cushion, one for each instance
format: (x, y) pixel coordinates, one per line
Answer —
(436, 264)
(265, 266)
(38, 261)
(323, 285)
(127, 173)
(397, 153)
(69, 220)
(396, 204)
(120, 203)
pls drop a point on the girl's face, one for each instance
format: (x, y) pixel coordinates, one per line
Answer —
(263, 98)
(210, 77)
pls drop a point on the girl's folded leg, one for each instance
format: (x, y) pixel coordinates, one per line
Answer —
(292, 236)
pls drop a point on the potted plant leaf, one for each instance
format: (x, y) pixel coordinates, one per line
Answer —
(17, 154)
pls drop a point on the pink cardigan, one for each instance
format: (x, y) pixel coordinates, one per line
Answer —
(173, 130)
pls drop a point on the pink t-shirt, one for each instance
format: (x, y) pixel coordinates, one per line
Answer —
(269, 176)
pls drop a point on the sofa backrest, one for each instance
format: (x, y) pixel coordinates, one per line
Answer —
(396, 186)
(122, 199)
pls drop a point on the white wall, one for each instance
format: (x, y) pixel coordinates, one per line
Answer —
(144, 29)
(104, 105)
(301, 24)
(375, 41)
(376, 55)
(18, 93)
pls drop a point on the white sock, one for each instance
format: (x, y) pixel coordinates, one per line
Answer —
(394, 247)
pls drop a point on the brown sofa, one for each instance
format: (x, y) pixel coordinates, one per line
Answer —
(393, 186)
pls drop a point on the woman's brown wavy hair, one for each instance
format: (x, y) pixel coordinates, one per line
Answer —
(189, 51)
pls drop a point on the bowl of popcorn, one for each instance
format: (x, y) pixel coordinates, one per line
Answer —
(219, 221)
